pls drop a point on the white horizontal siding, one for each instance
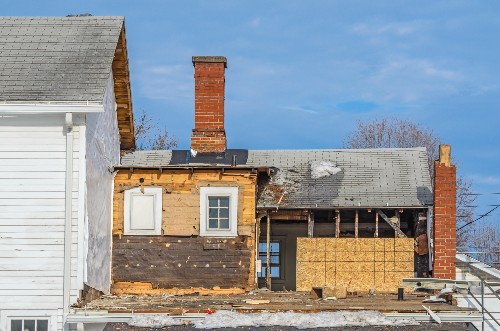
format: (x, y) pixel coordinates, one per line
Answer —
(32, 214)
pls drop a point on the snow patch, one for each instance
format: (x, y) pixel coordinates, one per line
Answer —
(321, 169)
(224, 319)
(155, 321)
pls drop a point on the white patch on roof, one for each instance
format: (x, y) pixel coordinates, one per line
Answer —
(223, 319)
(321, 169)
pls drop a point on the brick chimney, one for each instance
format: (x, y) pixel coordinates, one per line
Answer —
(209, 135)
(445, 215)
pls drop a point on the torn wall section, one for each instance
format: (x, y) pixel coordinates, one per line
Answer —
(178, 255)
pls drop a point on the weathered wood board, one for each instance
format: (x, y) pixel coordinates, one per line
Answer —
(174, 262)
(360, 264)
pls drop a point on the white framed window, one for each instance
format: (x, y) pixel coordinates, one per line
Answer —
(142, 211)
(218, 211)
(28, 324)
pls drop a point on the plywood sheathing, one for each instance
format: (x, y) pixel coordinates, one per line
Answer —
(159, 264)
(123, 94)
(359, 264)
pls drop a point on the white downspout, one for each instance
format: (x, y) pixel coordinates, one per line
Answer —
(68, 217)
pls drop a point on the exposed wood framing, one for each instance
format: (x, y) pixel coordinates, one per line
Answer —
(290, 215)
(310, 224)
(268, 252)
(356, 221)
(123, 94)
(337, 224)
(395, 227)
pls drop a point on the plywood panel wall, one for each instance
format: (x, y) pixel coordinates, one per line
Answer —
(359, 264)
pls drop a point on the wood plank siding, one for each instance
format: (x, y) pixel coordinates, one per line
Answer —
(32, 211)
(180, 258)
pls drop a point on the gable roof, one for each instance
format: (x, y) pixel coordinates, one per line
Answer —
(368, 178)
(66, 60)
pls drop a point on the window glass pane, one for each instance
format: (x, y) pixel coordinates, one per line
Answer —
(213, 202)
(262, 247)
(142, 213)
(224, 223)
(212, 223)
(42, 325)
(16, 325)
(213, 213)
(29, 325)
(224, 212)
(275, 247)
(275, 271)
(224, 201)
(275, 259)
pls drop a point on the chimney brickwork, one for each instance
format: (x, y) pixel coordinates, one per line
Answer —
(445, 223)
(209, 135)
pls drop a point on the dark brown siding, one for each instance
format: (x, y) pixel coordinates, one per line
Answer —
(180, 262)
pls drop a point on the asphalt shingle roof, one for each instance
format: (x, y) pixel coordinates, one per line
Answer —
(391, 177)
(65, 59)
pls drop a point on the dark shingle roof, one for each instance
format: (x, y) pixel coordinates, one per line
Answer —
(391, 177)
(65, 59)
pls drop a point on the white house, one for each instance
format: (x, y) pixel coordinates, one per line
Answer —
(65, 114)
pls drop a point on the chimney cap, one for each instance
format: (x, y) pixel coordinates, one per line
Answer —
(210, 59)
(445, 154)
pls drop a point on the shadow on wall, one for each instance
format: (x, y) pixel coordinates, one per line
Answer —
(424, 195)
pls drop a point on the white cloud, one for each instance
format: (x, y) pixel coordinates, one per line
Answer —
(393, 28)
(410, 80)
(301, 109)
(165, 82)
(486, 179)
(255, 23)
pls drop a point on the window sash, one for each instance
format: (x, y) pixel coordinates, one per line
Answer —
(32, 324)
(218, 212)
(275, 259)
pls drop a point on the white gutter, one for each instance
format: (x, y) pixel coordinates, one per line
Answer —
(68, 215)
(12, 108)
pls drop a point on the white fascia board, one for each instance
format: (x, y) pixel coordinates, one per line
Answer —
(44, 108)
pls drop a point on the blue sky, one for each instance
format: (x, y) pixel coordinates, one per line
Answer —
(301, 73)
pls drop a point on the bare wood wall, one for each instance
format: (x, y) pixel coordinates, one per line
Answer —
(179, 258)
(359, 264)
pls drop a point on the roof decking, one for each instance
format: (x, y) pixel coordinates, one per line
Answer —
(370, 178)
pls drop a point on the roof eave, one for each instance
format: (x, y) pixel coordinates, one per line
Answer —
(15, 108)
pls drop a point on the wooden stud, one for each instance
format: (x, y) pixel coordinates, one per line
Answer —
(310, 224)
(398, 224)
(356, 224)
(268, 252)
(376, 225)
(337, 224)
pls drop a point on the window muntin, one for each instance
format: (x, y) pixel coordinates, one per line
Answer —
(218, 211)
(274, 258)
(29, 325)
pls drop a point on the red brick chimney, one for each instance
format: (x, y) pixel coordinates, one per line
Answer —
(445, 215)
(209, 135)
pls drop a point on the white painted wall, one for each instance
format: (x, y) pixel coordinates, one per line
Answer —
(103, 152)
(32, 186)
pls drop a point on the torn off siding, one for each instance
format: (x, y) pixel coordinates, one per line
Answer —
(103, 152)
